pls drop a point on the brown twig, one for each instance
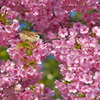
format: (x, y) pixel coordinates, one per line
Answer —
(51, 40)
(74, 20)
(15, 83)
(61, 25)
(56, 17)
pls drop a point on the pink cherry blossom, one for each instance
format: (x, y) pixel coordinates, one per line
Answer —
(77, 49)
(63, 32)
(96, 30)
(84, 29)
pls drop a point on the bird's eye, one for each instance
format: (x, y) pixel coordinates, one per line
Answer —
(37, 36)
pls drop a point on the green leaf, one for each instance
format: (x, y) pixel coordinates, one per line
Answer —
(92, 34)
(5, 72)
(95, 98)
(31, 62)
(31, 87)
(25, 29)
(77, 45)
(98, 41)
(24, 44)
(81, 95)
(90, 11)
(66, 82)
(20, 44)
(66, 66)
(27, 46)
(29, 52)
(29, 24)
(74, 93)
(3, 19)
(23, 59)
(3, 53)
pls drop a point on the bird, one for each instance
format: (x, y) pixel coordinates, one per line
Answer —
(32, 37)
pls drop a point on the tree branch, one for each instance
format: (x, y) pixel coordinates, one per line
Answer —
(51, 40)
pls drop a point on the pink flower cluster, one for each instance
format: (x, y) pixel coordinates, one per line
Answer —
(19, 80)
(47, 14)
(80, 66)
(76, 48)
(8, 32)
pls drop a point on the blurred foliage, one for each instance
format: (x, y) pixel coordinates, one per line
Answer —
(3, 53)
(3, 20)
(77, 16)
(90, 11)
(51, 73)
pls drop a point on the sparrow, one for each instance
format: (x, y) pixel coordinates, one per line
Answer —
(30, 36)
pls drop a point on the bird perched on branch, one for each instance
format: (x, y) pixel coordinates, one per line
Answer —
(30, 36)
